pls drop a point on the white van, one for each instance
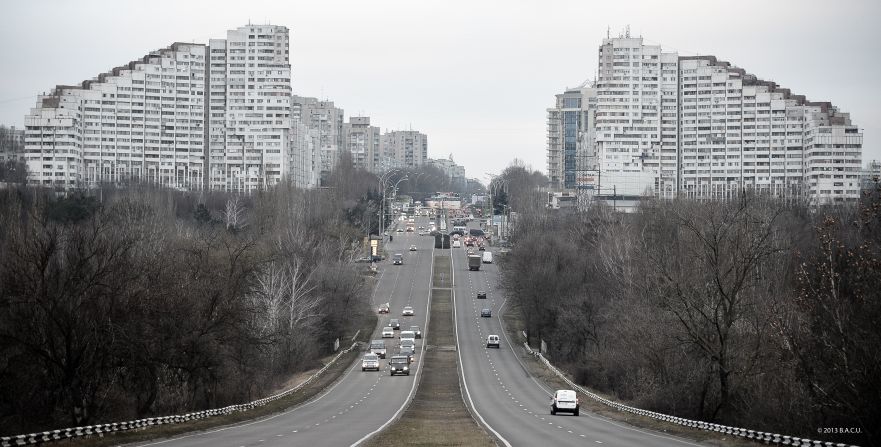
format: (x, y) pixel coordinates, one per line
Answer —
(492, 341)
(488, 257)
(564, 400)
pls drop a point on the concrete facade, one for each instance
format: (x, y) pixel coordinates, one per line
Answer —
(670, 125)
(409, 148)
(363, 141)
(326, 119)
(190, 116)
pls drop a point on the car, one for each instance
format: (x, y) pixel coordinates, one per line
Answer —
(564, 401)
(395, 324)
(408, 311)
(412, 248)
(481, 295)
(388, 332)
(481, 248)
(487, 257)
(384, 308)
(457, 244)
(486, 313)
(400, 230)
(398, 259)
(416, 331)
(492, 341)
(408, 337)
(409, 229)
(409, 351)
(370, 361)
(378, 347)
(399, 364)
(421, 227)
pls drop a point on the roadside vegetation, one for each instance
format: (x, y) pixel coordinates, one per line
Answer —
(753, 312)
(120, 303)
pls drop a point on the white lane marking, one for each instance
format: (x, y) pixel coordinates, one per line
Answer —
(459, 353)
(418, 372)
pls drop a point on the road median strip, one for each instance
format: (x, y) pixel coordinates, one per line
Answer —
(437, 414)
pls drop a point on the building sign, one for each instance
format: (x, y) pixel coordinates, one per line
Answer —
(587, 179)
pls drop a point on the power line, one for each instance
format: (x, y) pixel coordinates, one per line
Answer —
(4, 101)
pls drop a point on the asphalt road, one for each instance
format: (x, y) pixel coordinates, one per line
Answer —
(360, 403)
(508, 400)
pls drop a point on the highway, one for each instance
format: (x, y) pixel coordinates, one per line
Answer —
(509, 401)
(360, 403)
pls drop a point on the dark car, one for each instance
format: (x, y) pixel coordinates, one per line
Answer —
(486, 313)
(481, 295)
(408, 351)
(417, 331)
(399, 364)
(395, 324)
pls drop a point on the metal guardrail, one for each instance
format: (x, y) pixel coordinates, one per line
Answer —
(101, 429)
(758, 436)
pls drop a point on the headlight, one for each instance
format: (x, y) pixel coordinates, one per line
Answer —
(405, 368)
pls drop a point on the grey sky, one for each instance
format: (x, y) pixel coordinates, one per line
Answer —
(477, 75)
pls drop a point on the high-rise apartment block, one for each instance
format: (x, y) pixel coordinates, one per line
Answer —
(250, 108)
(670, 125)
(571, 137)
(327, 120)
(189, 116)
(363, 141)
(408, 148)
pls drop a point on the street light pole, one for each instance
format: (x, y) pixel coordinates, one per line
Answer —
(382, 183)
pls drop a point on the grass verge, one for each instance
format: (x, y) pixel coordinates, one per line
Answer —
(437, 415)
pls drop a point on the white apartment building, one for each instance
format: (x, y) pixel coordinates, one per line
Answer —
(250, 108)
(363, 141)
(189, 116)
(327, 120)
(448, 166)
(305, 158)
(142, 121)
(409, 148)
(695, 126)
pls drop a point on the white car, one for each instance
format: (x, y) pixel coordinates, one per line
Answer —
(388, 332)
(370, 361)
(408, 337)
(564, 400)
(408, 311)
(412, 248)
(492, 341)
(457, 244)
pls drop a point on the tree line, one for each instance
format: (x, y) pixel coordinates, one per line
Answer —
(123, 303)
(751, 312)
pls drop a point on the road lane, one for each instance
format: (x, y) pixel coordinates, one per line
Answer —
(360, 402)
(511, 401)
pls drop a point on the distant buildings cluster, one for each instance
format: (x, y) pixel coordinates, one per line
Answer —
(655, 123)
(192, 116)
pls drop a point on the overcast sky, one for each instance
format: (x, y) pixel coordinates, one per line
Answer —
(476, 76)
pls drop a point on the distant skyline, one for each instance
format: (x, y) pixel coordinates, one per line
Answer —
(476, 77)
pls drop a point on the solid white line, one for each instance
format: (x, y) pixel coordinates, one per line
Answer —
(418, 371)
(459, 352)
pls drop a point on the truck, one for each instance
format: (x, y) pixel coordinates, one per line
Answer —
(474, 262)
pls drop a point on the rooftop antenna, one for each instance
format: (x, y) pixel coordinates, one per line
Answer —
(608, 30)
(627, 32)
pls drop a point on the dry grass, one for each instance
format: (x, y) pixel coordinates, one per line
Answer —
(437, 416)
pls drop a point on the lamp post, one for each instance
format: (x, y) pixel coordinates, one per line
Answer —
(383, 179)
